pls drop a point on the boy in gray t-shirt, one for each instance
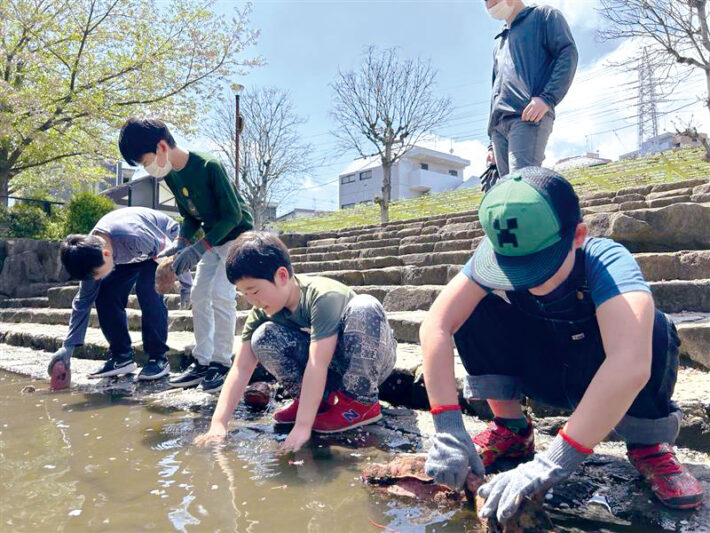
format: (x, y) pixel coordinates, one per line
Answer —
(328, 347)
(118, 254)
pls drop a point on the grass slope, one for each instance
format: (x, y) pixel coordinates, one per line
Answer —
(665, 167)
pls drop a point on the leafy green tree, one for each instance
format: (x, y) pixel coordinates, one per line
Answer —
(71, 71)
(84, 210)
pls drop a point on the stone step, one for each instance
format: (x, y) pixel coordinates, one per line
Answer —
(680, 226)
(414, 231)
(700, 193)
(466, 234)
(61, 298)
(683, 265)
(399, 225)
(402, 275)
(409, 225)
(405, 323)
(692, 189)
(422, 259)
(694, 333)
(605, 201)
(50, 337)
(41, 301)
(428, 246)
(670, 296)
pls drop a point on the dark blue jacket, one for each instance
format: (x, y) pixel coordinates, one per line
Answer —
(536, 56)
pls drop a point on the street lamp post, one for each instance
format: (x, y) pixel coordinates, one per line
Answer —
(238, 127)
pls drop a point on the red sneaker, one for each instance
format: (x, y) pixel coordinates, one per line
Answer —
(346, 414)
(288, 414)
(497, 442)
(670, 481)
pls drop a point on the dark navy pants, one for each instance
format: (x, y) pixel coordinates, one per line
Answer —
(508, 353)
(111, 305)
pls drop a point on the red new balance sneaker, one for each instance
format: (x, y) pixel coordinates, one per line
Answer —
(670, 481)
(288, 414)
(347, 413)
(498, 442)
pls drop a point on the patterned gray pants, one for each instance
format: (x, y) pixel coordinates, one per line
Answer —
(364, 356)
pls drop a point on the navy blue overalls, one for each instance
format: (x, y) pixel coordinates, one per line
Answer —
(549, 349)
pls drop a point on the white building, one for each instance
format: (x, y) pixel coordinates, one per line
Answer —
(590, 159)
(420, 171)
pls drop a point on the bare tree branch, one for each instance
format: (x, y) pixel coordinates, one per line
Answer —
(271, 154)
(389, 103)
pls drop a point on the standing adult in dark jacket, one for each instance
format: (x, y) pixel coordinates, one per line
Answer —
(534, 62)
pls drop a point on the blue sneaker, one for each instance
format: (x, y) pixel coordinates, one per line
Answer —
(116, 366)
(155, 368)
(214, 378)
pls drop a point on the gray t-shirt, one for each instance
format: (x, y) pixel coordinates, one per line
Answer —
(137, 234)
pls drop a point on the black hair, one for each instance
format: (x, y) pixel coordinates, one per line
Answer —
(140, 136)
(81, 255)
(257, 254)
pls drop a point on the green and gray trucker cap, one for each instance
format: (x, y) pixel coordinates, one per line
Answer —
(529, 220)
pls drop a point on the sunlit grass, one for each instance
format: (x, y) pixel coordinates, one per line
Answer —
(665, 167)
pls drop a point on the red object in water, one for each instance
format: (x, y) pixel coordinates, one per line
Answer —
(61, 376)
(257, 395)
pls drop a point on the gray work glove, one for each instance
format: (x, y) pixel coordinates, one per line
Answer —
(505, 492)
(452, 454)
(189, 257)
(176, 247)
(63, 354)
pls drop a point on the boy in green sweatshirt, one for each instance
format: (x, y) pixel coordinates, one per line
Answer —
(207, 199)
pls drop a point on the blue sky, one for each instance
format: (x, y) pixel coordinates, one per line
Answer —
(304, 43)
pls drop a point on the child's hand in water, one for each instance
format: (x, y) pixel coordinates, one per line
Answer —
(216, 433)
(298, 436)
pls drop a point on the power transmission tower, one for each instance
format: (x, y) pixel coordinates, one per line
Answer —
(647, 111)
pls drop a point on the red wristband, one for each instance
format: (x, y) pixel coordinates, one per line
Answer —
(436, 409)
(576, 445)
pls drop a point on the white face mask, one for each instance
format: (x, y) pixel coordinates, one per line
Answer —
(157, 171)
(501, 11)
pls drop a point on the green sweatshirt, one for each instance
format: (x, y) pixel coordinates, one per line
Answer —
(206, 197)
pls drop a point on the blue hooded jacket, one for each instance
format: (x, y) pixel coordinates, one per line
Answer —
(535, 56)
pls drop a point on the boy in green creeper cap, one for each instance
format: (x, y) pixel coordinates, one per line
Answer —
(208, 199)
(572, 324)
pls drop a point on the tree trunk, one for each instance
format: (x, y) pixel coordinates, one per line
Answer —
(706, 142)
(4, 186)
(386, 184)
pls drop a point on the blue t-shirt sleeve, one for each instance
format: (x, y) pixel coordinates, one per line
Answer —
(611, 270)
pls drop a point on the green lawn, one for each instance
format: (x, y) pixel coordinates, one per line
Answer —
(659, 168)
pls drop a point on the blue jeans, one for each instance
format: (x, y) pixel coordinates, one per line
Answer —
(112, 300)
(508, 353)
(518, 144)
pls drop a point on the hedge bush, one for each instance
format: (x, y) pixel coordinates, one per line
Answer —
(84, 210)
(24, 221)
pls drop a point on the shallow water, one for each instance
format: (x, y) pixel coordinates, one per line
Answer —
(105, 462)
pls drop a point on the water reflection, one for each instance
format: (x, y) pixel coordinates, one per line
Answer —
(109, 462)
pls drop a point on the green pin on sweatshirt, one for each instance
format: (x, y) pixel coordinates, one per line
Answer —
(207, 198)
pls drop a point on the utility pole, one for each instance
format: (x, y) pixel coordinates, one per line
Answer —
(647, 111)
(238, 127)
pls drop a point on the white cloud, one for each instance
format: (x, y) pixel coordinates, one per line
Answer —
(600, 111)
(579, 13)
